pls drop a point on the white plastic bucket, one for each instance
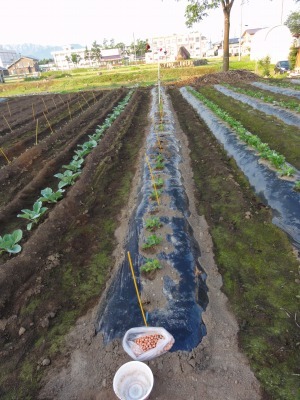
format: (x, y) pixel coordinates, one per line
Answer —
(133, 381)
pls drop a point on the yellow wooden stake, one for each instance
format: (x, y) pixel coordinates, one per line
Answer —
(136, 289)
(8, 108)
(8, 162)
(158, 141)
(84, 99)
(33, 113)
(7, 123)
(45, 105)
(36, 132)
(69, 111)
(152, 178)
(80, 105)
(48, 122)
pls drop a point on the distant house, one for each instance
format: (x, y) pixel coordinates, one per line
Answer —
(246, 40)
(3, 73)
(7, 57)
(23, 66)
(234, 44)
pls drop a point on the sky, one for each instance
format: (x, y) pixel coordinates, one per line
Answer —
(63, 22)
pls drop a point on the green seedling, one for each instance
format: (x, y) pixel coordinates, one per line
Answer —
(159, 158)
(67, 178)
(159, 182)
(153, 223)
(75, 165)
(159, 165)
(152, 241)
(9, 242)
(33, 215)
(287, 171)
(151, 264)
(297, 186)
(49, 196)
(153, 194)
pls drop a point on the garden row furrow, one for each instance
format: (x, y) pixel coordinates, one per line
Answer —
(286, 116)
(13, 116)
(276, 89)
(280, 137)
(108, 144)
(20, 175)
(36, 130)
(277, 193)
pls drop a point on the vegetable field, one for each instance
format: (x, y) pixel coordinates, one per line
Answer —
(201, 185)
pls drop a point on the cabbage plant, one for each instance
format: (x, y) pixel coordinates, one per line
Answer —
(9, 242)
(33, 215)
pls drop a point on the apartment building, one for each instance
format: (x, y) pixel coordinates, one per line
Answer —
(7, 57)
(165, 48)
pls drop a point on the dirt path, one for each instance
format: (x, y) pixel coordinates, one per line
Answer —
(214, 370)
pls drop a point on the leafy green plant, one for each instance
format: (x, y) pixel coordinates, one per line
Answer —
(287, 170)
(159, 182)
(153, 194)
(159, 165)
(75, 165)
(153, 223)
(67, 178)
(151, 241)
(33, 215)
(297, 186)
(265, 64)
(151, 264)
(49, 196)
(9, 242)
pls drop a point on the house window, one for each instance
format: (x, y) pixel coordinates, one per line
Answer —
(197, 39)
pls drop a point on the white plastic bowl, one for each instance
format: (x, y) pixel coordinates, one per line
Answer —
(133, 381)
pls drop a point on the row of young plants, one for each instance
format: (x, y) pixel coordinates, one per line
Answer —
(10, 242)
(154, 223)
(276, 160)
(258, 94)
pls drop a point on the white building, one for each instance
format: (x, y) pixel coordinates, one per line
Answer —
(165, 48)
(63, 58)
(274, 42)
(7, 57)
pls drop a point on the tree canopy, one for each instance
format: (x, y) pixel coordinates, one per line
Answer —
(196, 10)
(293, 23)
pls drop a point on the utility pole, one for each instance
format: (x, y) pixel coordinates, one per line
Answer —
(241, 27)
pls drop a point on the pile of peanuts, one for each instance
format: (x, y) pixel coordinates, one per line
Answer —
(148, 342)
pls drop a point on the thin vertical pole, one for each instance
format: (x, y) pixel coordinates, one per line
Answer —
(7, 123)
(136, 289)
(36, 131)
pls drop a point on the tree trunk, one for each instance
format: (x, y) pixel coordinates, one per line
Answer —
(226, 39)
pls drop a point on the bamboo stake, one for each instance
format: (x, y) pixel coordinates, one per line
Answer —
(54, 102)
(7, 123)
(152, 178)
(45, 105)
(94, 97)
(84, 99)
(8, 108)
(69, 111)
(33, 113)
(36, 131)
(61, 99)
(158, 141)
(136, 289)
(48, 122)
(80, 105)
(8, 162)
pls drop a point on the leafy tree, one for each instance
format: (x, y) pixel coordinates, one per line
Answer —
(87, 54)
(293, 23)
(45, 61)
(105, 43)
(75, 58)
(96, 52)
(139, 47)
(197, 10)
(112, 43)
